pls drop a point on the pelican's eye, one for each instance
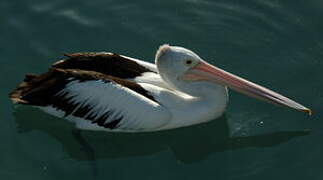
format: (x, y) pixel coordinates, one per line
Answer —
(188, 62)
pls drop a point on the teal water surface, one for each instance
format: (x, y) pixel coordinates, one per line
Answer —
(276, 43)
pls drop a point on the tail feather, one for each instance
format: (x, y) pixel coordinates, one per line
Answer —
(36, 89)
(23, 88)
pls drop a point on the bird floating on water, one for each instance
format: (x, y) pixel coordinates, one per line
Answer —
(111, 92)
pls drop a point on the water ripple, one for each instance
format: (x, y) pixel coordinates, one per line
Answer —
(76, 17)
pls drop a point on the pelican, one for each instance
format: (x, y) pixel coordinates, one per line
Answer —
(111, 92)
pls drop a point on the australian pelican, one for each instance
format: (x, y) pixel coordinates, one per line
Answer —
(106, 91)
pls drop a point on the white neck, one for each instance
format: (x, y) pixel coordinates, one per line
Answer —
(208, 102)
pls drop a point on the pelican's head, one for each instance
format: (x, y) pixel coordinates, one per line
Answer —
(178, 65)
(173, 62)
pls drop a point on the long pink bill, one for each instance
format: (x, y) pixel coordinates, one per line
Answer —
(205, 71)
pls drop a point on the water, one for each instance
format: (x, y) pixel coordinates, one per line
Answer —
(275, 43)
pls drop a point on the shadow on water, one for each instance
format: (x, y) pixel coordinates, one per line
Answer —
(189, 144)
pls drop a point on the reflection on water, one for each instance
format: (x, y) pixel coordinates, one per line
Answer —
(189, 144)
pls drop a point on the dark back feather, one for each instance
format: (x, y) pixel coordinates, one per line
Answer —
(41, 90)
(106, 63)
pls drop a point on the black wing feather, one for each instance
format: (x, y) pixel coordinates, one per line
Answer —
(106, 63)
(45, 90)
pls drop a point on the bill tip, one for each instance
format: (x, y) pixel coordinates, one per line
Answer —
(308, 111)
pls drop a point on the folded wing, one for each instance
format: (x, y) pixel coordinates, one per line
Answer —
(93, 100)
(106, 63)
